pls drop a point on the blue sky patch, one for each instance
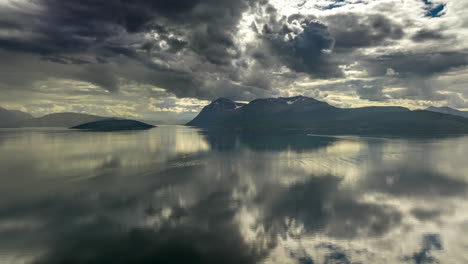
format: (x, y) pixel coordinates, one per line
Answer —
(335, 4)
(433, 10)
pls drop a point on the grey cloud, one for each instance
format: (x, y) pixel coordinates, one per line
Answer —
(430, 242)
(418, 64)
(373, 93)
(372, 90)
(429, 34)
(425, 214)
(356, 31)
(415, 73)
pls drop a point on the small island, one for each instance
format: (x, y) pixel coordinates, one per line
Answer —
(114, 125)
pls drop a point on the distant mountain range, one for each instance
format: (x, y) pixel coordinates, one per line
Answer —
(10, 118)
(448, 110)
(285, 114)
(14, 118)
(60, 120)
(307, 114)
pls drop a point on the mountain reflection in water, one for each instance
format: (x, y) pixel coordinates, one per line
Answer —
(180, 195)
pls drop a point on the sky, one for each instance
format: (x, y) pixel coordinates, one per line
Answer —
(164, 59)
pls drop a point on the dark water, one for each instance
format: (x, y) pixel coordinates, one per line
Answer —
(174, 195)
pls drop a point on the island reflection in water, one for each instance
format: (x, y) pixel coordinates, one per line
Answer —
(176, 195)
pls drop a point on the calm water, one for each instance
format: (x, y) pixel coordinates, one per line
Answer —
(176, 195)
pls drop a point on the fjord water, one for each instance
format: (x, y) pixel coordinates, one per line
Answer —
(177, 194)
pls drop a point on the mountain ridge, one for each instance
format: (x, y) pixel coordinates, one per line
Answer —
(301, 113)
(448, 110)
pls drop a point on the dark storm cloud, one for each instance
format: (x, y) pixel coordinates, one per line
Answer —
(301, 43)
(317, 46)
(357, 31)
(191, 47)
(107, 35)
(307, 51)
(85, 23)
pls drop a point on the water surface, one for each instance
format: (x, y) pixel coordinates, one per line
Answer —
(175, 194)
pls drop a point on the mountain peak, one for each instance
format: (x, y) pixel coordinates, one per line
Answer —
(221, 100)
(215, 110)
(224, 103)
(299, 98)
(293, 103)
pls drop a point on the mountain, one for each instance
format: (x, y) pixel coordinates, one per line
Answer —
(307, 114)
(114, 125)
(448, 110)
(60, 120)
(216, 112)
(11, 118)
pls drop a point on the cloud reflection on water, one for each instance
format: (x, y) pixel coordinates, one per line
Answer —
(174, 194)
